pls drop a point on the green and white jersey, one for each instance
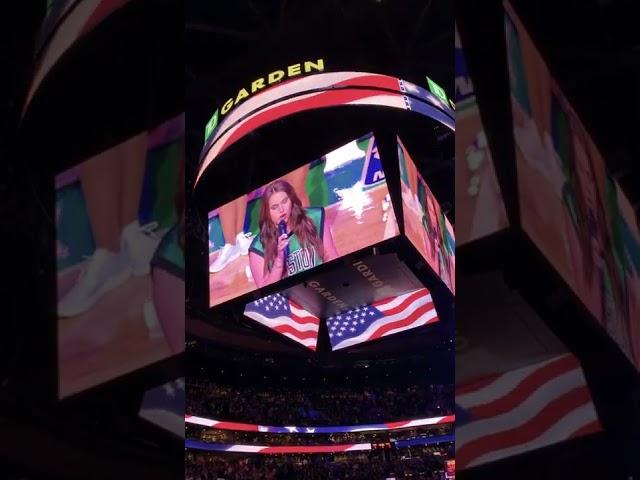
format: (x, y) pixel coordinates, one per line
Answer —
(299, 259)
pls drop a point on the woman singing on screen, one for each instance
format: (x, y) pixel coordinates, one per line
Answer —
(306, 243)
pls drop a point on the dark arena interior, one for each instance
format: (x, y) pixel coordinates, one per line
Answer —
(259, 405)
(229, 248)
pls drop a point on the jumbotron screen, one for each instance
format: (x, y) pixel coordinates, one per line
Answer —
(426, 225)
(335, 205)
(571, 206)
(481, 209)
(119, 260)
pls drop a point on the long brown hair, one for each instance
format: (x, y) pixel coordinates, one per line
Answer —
(299, 223)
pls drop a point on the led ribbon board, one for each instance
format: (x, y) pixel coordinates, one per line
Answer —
(321, 91)
(266, 449)
(309, 84)
(66, 22)
(259, 84)
(350, 447)
(248, 427)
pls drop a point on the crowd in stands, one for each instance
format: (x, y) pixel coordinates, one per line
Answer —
(372, 466)
(254, 438)
(318, 406)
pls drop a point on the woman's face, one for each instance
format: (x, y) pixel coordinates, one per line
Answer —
(279, 207)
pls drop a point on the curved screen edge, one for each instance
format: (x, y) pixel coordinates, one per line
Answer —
(407, 97)
(318, 83)
(222, 425)
(74, 20)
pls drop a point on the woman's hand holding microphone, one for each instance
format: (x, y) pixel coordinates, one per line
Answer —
(283, 244)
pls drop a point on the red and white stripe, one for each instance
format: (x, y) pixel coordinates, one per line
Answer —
(297, 86)
(403, 312)
(248, 427)
(207, 422)
(266, 449)
(221, 425)
(323, 99)
(301, 326)
(524, 410)
(355, 447)
(420, 422)
(271, 450)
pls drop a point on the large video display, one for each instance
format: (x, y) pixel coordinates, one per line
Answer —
(333, 206)
(426, 225)
(374, 427)
(481, 210)
(117, 246)
(571, 207)
(277, 450)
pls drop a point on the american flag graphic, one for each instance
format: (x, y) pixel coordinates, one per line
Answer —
(285, 317)
(266, 449)
(523, 410)
(388, 426)
(382, 318)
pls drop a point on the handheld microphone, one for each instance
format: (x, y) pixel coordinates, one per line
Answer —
(282, 230)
